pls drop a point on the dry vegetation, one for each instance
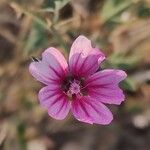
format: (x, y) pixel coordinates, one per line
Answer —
(120, 28)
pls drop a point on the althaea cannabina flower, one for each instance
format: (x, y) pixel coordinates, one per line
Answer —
(76, 85)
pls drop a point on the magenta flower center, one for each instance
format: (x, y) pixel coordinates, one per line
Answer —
(74, 87)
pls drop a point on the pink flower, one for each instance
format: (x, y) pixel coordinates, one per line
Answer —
(76, 85)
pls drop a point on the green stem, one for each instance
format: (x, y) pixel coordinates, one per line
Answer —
(59, 38)
(51, 29)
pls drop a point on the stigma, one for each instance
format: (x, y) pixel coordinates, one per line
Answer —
(74, 87)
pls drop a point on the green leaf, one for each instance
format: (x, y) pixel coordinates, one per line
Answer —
(61, 3)
(128, 85)
(112, 8)
(123, 62)
(49, 3)
(143, 10)
(36, 39)
(21, 135)
(55, 4)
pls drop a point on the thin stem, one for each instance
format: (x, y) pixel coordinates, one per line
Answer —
(51, 29)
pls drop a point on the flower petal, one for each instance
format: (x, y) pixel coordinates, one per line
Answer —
(55, 59)
(55, 101)
(52, 68)
(83, 59)
(91, 111)
(104, 87)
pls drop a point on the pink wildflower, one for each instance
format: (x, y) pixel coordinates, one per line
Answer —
(76, 85)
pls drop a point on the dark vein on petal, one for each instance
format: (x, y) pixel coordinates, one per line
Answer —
(84, 109)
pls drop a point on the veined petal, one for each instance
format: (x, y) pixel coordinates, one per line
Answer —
(81, 44)
(52, 68)
(43, 73)
(91, 111)
(104, 86)
(55, 60)
(55, 101)
(84, 60)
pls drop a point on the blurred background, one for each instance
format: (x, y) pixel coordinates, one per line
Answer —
(121, 28)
